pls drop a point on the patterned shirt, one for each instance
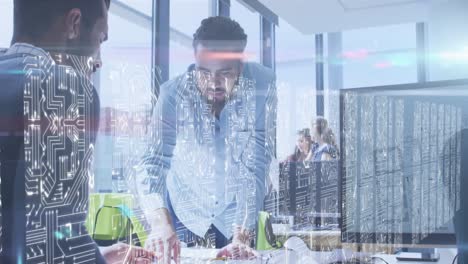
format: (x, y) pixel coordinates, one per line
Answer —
(46, 156)
(213, 170)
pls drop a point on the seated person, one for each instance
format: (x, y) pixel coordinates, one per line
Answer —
(303, 150)
(460, 201)
(325, 147)
(203, 179)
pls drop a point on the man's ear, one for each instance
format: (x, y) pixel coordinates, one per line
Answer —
(73, 24)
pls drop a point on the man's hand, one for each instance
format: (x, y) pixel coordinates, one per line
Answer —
(241, 235)
(163, 238)
(237, 251)
(122, 254)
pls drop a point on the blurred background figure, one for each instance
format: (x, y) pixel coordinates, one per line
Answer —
(324, 147)
(303, 149)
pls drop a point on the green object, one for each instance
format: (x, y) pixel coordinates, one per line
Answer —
(111, 220)
(266, 239)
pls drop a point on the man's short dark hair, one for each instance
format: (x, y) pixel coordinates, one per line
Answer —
(220, 32)
(33, 18)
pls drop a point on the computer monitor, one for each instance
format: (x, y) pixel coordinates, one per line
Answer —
(402, 162)
(308, 191)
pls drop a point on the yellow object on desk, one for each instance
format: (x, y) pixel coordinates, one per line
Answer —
(111, 220)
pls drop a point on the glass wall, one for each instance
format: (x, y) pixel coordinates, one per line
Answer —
(186, 17)
(376, 56)
(249, 19)
(143, 6)
(448, 41)
(295, 69)
(6, 22)
(379, 56)
(125, 92)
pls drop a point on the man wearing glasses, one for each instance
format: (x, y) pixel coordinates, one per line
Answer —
(202, 181)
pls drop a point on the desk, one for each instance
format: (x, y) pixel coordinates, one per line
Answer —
(328, 240)
(446, 257)
(204, 256)
(199, 256)
(324, 240)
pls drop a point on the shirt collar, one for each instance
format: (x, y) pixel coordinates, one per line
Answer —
(29, 49)
(83, 65)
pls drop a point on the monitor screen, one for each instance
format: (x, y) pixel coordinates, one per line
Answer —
(308, 191)
(402, 162)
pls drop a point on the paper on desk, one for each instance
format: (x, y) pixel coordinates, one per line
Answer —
(202, 255)
(303, 254)
(199, 253)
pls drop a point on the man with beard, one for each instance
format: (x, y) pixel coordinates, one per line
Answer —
(203, 179)
(49, 118)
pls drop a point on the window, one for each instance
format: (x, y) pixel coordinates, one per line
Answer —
(186, 17)
(365, 57)
(125, 94)
(143, 6)
(379, 56)
(333, 80)
(6, 20)
(295, 68)
(129, 46)
(448, 41)
(249, 19)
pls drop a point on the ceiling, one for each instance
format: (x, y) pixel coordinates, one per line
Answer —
(316, 16)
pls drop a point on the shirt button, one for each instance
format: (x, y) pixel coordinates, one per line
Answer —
(212, 215)
(216, 202)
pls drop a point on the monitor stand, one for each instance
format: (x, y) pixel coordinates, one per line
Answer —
(418, 254)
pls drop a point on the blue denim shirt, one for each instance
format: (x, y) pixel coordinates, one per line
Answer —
(214, 170)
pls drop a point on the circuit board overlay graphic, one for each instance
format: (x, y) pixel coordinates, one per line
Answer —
(60, 112)
(401, 165)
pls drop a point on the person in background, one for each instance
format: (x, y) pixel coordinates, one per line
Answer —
(202, 181)
(303, 149)
(458, 199)
(325, 147)
(47, 134)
